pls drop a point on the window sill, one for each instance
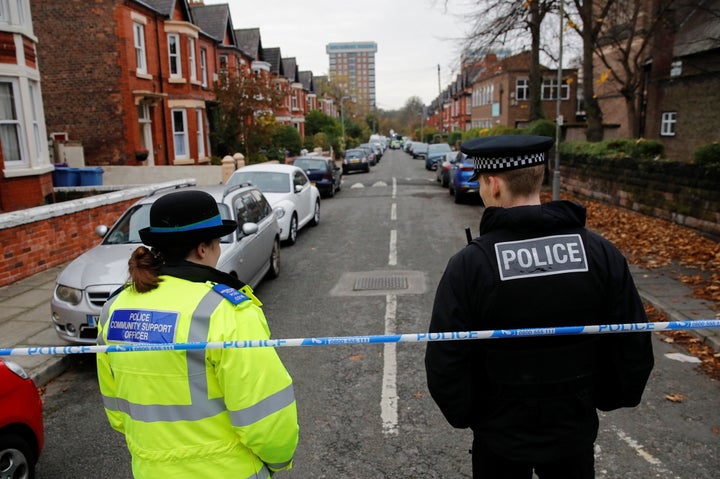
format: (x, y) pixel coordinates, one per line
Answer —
(177, 80)
(144, 76)
(21, 171)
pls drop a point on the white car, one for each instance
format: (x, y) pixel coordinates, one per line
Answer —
(295, 200)
(250, 254)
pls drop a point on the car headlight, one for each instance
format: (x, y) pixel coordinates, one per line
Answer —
(68, 294)
(279, 212)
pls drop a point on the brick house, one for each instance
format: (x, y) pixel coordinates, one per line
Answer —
(501, 92)
(311, 97)
(683, 100)
(26, 178)
(296, 97)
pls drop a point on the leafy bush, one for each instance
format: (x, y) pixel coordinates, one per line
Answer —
(648, 149)
(708, 154)
(499, 130)
(640, 149)
(541, 128)
(454, 137)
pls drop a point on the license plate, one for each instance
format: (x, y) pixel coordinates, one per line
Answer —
(354, 161)
(92, 320)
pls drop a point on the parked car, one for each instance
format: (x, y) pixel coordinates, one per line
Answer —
(407, 146)
(21, 422)
(460, 186)
(294, 199)
(442, 172)
(394, 144)
(369, 153)
(419, 150)
(376, 150)
(323, 173)
(355, 160)
(435, 152)
(250, 254)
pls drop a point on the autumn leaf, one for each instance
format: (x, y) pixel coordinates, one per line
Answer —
(675, 397)
(356, 357)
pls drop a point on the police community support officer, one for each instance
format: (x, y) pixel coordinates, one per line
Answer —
(531, 402)
(191, 414)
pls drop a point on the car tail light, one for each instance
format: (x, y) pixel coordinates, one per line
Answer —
(467, 168)
(327, 176)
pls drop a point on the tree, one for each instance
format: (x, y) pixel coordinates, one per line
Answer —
(246, 102)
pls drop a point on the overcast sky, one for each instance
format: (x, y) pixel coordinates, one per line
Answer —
(413, 38)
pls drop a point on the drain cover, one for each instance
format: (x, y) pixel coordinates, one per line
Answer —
(372, 283)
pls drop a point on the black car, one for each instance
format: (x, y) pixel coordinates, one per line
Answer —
(322, 171)
(355, 160)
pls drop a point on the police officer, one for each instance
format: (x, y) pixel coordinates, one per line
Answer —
(200, 413)
(531, 402)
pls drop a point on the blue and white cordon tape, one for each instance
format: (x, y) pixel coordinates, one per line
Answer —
(378, 339)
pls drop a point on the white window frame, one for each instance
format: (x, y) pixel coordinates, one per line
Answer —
(17, 121)
(522, 89)
(35, 103)
(200, 118)
(181, 146)
(668, 121)
(140, 51)
(4, 11)
(203, 67)
(549, 89)
(174, 58)
(192, 60)
(21, 12)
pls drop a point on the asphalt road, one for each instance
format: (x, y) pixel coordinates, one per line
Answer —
(364, 410)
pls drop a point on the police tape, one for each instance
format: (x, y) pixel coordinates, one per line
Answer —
(363, 340)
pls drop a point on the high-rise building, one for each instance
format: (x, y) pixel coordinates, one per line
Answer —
(352, 68)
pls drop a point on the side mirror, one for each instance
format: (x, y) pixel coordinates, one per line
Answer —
(249, 228)
(101, 230)
(298, 188)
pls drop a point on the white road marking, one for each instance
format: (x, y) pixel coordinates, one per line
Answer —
(393, 212)
(392, 257)
(640, 450)
(357, 185)
(389, 399)
(394, 187)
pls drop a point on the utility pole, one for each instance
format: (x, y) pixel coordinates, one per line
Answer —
(442, 107)
(558, 117)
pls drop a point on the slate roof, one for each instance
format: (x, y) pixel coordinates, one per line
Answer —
(290, 68)
(306, 78)
(699, 31)
(274, 58)
(164, 7)
(249, 41)
(214, 20)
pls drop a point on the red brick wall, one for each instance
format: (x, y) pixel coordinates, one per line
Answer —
(25, 191)
(30, 248)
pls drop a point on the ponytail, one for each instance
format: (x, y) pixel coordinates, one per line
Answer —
(144, 265)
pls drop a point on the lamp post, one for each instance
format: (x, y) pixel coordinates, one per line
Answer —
(342, 118)
(559, 118)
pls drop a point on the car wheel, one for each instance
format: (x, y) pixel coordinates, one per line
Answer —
(316, 215)
(274, 270)
(17, 458)
(458, 197)
(292, 234)
(451, 189)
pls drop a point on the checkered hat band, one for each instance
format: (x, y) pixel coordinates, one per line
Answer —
(509, 163)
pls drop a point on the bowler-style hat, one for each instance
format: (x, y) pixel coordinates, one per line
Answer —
(495, 154)
(185, 217)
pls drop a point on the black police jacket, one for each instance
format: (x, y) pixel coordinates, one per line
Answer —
(536, 398)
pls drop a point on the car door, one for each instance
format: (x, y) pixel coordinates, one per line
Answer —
(303, 197)
(248, 260)
(267, 229)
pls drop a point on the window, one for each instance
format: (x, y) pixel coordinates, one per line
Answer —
(140, 59)
(200, 132)
(667, 123)
(21, 12)
(35, 103)
(180, 137)
(191, 59)
(11, 132)
(522, 89)
(203, 67)
(4, 11)
(145, 124)
(223, 62)
(174, 55)
(550, 90)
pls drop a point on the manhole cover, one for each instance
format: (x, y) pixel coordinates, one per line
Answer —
(382, 282)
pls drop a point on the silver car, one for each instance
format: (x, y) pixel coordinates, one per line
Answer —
(81, 289)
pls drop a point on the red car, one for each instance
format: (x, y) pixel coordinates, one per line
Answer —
(21, 422)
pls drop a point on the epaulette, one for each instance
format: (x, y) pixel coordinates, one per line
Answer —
(231, 294)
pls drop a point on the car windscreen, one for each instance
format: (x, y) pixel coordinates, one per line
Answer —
(353, 154)
(127, 229)
(311, 164)
(266, 181)
(439, 148)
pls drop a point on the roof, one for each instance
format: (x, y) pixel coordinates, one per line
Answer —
(272, 167)
(249, 41)
(165, 7)
(214, 20)
(274, 58)
(290, 68)
(306, 78)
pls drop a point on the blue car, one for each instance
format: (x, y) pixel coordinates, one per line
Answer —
(460, 186)
(436, 153)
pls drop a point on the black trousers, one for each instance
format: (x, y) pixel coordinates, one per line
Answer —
(489, 465)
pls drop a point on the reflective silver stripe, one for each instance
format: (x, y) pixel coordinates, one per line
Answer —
(278, 465)
(264, 408)
(263, 473)
(200, 406)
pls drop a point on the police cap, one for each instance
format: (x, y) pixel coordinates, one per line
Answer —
(496, 154)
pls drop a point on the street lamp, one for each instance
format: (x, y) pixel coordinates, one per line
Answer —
(558, 118)
(342, 118)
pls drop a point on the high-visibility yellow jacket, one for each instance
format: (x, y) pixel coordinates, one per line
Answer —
(203, 413)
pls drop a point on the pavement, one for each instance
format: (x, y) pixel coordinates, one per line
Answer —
(25, 315)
